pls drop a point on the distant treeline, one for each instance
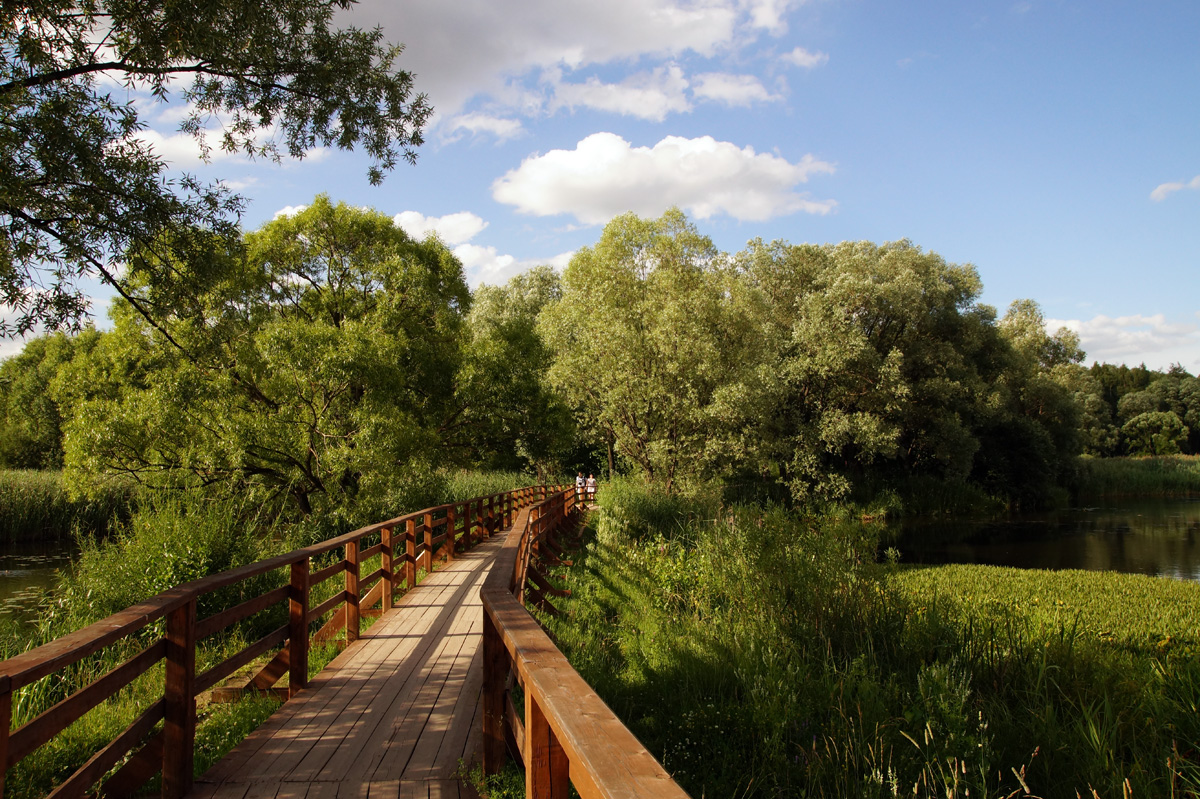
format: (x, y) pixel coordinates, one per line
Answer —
(330, 365)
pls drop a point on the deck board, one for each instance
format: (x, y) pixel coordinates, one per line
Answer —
(391, 717)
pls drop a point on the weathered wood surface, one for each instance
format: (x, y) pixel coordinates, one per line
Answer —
(392, 716)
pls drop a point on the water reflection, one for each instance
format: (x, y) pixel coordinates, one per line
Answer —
(1155, 537)
(27, 574)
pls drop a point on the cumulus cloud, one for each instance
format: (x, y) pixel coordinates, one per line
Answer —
(289, 210)
(732, 90)
(486, 265)
(646, 95)
(465, 51)
(805, 58)
(1153, 340)
(1164, 190)
(476, 123)
(604, 176)
(452, 228)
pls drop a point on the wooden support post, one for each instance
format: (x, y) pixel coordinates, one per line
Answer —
(298, 628)
(428, 543)
(389, 574)
(179, 720)
(352, 575)
(410, 554)
(547, 770)
(6, 722)
(495, 672)
(451, 520)
(491, 516)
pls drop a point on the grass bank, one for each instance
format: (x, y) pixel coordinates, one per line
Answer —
(767, 655)
(1163, 476)
(34, 506)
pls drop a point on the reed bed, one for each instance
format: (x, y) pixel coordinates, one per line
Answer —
(764, 654)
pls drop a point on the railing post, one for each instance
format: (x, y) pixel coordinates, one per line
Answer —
(495, 672)
(451, 520)
(298, 628)
(389, 575)
(5, 724)
(410, 554)
(179, 721)
(428, 556)
(352, 575)
(490, 524)
(547, 770)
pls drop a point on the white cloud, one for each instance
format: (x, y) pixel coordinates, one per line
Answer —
(769, 14)
(288, 210)
(476, 123)
(474, 50)
(645, 95)
(605, 176)
(732, 90)
(485, 265)
(1164, 190)
(805, 59)
(452, 228)
(1134, 339)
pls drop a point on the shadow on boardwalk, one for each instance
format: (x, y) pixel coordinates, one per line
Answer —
(393, 716)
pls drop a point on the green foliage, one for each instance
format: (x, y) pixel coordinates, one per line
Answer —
(1154, 433)
(766, 655)
(509, 417)
(1171, 476)
(31, 419)
(316, 372)
(81, 188)
(642, 339)
(35, 506)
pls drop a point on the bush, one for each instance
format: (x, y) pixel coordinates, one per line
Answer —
(35, 506)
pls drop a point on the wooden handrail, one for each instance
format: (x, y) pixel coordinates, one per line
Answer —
(177, 606)
(568, 736)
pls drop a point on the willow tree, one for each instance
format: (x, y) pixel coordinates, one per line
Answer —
(79, 186)
(320, 369)
(642, 338)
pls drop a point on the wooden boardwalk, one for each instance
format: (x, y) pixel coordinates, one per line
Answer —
(392, 717)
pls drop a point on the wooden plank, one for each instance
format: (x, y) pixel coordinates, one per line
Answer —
(77, 785)
(397, 696)
(228, 666)
(54, 720)
(310, 723)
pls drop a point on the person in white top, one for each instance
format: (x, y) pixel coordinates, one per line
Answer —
(591, 487)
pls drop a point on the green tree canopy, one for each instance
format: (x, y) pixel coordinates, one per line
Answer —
(320, 369)
(642, 338)
(79, 189)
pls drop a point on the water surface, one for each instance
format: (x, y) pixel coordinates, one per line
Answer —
(1155, 537)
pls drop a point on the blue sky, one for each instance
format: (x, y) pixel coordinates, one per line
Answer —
(1054, 145)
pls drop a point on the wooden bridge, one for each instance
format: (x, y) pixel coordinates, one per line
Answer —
(427, 689)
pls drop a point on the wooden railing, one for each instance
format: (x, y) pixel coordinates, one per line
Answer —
(404, 545)
(567, 735)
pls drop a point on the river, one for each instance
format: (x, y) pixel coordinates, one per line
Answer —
(1142, 536)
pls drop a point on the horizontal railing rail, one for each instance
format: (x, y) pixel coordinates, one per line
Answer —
(566, 735)
(404, 545)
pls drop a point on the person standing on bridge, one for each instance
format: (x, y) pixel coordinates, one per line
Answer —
(591, 488)
(579, 487)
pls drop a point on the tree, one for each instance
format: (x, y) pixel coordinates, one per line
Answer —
(319, 370)
(31, 418)
(508, 415)
(642, 338)
(868, 365)
(79, 188)
(1154, 433)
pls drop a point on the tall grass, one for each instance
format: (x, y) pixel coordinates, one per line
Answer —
(763, 654)
(34, 506)
(1163, 476)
